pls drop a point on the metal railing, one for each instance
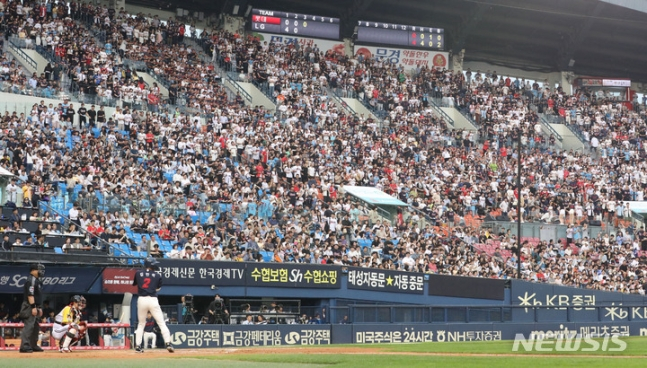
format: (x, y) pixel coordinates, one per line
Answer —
(556, 119)
(20, 53)
(340, 102)
(100, 243)
(442, 114)
(544, 231)
(199, 47)
(578, 133)
(426, 217)
(265, 88)
(552, 130)
(75, 258)
(351, 93)
(143, 206)
(468, 116)
(141, 66)
(239, 89)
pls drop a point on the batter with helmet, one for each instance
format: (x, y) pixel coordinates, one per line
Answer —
(68, 327)
(148, 283)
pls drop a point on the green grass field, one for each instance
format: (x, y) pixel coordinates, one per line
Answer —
(497, 354)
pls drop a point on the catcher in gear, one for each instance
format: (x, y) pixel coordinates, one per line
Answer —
(68, 327)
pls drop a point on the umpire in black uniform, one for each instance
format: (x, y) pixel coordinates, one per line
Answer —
(30, 311)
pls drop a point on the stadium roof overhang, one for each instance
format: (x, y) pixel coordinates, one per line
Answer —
(587, 37)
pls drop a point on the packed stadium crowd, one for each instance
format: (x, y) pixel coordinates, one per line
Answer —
(234, 182)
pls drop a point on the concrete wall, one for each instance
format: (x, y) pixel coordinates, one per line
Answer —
(258, 97)
(150, 80)
(359, 108)
(40, 61)
(19, 59)
(22, 104)
(546, 129)
(460, 121)
(191, 336)
(569, 140)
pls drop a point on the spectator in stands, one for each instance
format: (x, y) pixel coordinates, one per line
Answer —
(249, 320)
(261, 320)
(17, 243)
(5, 245)
(155, 252)
(214, 159)
(315, 320)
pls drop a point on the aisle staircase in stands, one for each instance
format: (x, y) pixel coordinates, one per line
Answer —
(250, 93)
(571, 137)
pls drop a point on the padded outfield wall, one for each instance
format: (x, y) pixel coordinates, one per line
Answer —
(383, 306)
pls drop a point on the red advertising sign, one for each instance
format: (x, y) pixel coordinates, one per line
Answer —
(600, 82)
(119, 280)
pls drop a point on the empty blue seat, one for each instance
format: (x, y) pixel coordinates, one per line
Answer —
(166, 246)
(364, 243)
(204, 216)
(267, 256)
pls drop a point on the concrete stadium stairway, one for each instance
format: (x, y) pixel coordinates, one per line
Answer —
(359, 108)
(250, 93)
(20, 56)
(570, 139)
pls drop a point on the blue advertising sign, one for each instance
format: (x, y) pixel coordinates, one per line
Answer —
(294, 275)
(385, 333)
(451, 332)
(580, 304)
(202, 273)
(228, 336)
(275, 335)
(375, 279)
(56, 280)
(195, 336)
(213, 336)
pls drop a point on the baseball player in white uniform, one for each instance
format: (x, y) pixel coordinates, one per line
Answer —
(148, 284)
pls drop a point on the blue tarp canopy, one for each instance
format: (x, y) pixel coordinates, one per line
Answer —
(373, 196)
